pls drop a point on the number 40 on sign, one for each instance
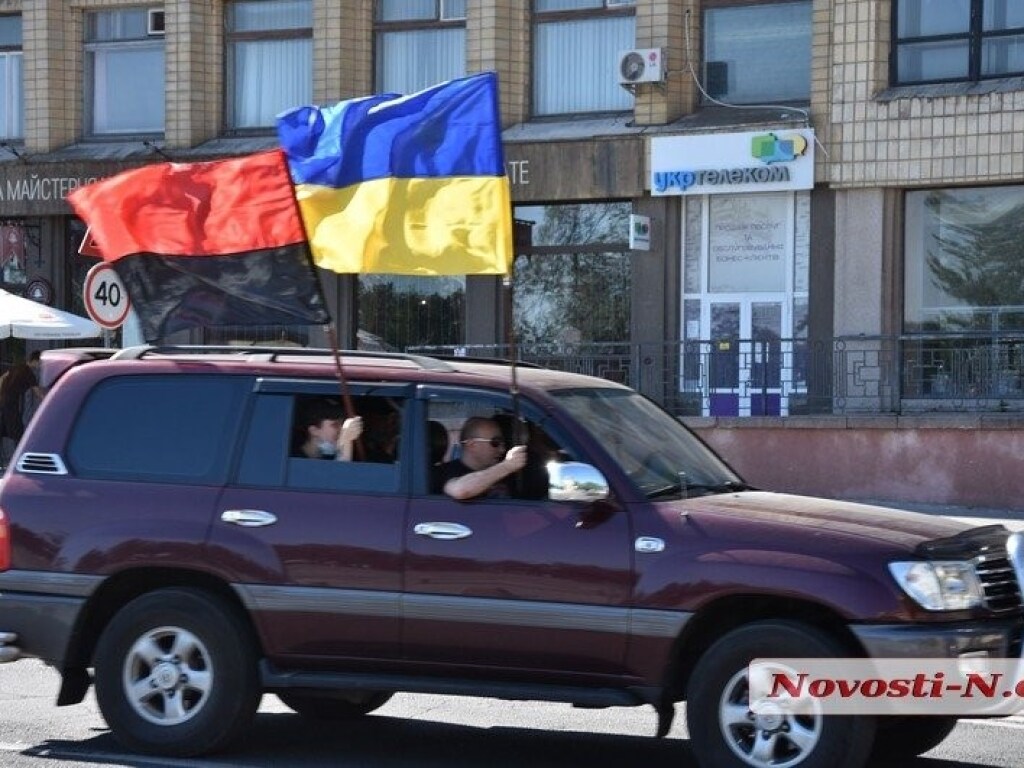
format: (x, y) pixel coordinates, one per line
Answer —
(106, 300)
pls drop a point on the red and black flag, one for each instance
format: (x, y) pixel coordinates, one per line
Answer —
(206, 244)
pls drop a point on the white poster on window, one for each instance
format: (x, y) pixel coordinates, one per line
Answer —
(747, 243)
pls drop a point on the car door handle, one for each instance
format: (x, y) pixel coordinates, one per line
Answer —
(248, 518)
(444, 531)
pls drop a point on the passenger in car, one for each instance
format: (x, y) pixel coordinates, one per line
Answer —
(382, 420)
(484, 466)
(324, 433)
(437, 437)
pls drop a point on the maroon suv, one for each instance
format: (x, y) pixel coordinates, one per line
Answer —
(164, 535)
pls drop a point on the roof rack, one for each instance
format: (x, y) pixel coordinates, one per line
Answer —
(486, 360)
(272, 354)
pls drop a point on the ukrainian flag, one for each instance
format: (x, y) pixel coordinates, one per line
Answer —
(411, 185)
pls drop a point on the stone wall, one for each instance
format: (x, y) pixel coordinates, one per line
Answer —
(973, 461)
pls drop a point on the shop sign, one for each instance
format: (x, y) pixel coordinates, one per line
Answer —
(36, 188)
(717, 163)
(595, 169)
(41, 189)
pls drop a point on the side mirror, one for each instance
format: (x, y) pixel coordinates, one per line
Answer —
(575, 481)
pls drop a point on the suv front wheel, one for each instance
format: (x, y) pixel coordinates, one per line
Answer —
(176, 674)
(725, 733)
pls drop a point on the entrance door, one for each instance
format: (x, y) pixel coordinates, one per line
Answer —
(745, 373)
(741, 270)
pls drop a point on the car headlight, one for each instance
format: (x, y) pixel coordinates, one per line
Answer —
(939, 585)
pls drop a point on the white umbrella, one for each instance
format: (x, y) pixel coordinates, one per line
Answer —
(26, 319)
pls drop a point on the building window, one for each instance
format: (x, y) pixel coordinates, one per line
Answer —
(399, 312)
(754, 54)
(12, 89)
(419, 43)
(963, 297)
(576, 44)
(124, 73)
(269, 60)
(963, 260)
(573, 275)
(952, 40)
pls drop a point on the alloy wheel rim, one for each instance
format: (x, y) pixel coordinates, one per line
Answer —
(167, 676)
(774, 738)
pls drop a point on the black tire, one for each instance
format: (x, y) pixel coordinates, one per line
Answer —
(176, 674)
(722, 738)
(334, 706)
(901, 738)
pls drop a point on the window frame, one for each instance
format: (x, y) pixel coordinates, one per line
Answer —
(11, 52)
(975, 36)
(709, 5)
(381, 28)
(607, 9)
(231, 37)
(90, 50)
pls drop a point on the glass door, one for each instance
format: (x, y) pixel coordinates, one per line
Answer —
(746, 375)
(744, 276)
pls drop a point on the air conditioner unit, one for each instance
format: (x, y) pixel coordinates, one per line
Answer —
(154, 22)
(641, 65)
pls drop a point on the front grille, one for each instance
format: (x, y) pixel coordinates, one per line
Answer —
(999, 583)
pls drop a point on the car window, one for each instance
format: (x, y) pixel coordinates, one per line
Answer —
(650, 445)
(281, 450)
(445, 417)
(177, 428)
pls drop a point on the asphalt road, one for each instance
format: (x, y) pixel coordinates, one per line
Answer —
(414, 730)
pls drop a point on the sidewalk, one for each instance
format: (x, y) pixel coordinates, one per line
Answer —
(1011, 518)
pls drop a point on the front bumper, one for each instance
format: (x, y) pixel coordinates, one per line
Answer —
(999, 639)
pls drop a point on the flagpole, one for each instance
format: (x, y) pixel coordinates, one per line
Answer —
(510, 334)
(346, 398)
(513, 387)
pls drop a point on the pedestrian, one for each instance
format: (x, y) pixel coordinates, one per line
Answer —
(20, 385)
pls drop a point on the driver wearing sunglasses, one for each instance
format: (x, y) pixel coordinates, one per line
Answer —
(484, 464)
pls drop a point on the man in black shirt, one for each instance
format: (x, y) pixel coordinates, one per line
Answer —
(484, 465)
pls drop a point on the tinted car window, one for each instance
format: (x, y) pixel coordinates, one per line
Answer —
(165, 428)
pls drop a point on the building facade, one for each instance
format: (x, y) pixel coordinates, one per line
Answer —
(793, 223)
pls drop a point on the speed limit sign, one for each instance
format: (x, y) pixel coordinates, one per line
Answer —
(106, 300)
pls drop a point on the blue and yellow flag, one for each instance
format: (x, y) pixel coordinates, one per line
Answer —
(410, 185)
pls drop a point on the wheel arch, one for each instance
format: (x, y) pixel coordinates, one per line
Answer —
(722, 616)
(113, 594)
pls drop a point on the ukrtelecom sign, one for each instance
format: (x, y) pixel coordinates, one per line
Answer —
(717, 163)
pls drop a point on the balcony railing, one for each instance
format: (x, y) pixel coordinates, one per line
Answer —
(756, 377)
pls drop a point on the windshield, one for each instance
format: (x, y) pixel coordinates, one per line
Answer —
(654, 449)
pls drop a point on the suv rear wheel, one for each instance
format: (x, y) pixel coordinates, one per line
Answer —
(176, 674)
(725, 733)
(334, 706)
